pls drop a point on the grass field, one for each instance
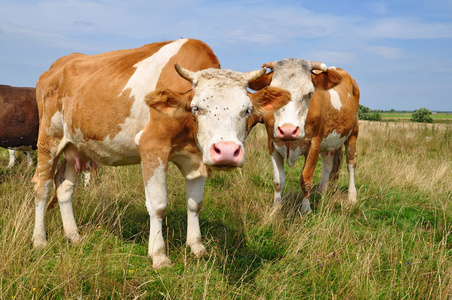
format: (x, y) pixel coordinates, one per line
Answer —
(442, 118)
(394, 243)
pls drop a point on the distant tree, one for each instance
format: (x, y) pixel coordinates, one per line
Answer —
(392, 110)
(365, 113)
(375, 116)
(422, 115)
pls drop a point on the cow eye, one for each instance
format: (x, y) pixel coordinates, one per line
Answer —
(310, 95)
(196, 110)
(248, 112)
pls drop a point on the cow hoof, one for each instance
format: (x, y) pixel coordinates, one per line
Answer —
(161, 262)
(74, 238)
(277, 205)
(39, 243)
(198, 250)
(352, 197)
(305, 207)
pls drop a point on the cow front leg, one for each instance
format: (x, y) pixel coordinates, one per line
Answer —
(194, 195)
(279, 177)
(156, 203)
(65, 182)
(308, 173)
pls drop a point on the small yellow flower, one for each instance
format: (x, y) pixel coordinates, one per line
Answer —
(99, 227)
(34, 289)
(428, 243)
(131, 271)
(400, 261)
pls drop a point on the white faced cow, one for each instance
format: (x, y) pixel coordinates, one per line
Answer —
(19, 121)
(321, 116)
(131, 106)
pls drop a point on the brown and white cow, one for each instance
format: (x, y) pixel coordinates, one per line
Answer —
(321, 116)
(19, 121)
(130, 106)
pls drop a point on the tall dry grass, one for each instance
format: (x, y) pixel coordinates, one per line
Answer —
(394, 243)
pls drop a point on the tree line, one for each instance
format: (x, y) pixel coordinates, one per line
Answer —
(422, 115)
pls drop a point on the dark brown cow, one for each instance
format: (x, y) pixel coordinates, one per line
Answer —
(321, 117)
(130, 106)
(19, 120)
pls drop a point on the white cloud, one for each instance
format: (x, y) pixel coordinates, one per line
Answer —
(406, 28)
(385, 52)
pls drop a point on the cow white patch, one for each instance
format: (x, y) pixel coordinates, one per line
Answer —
(147, 72)
(142, 82)
(137, 137)
(332, 142)
(290, 156)
(335, 99)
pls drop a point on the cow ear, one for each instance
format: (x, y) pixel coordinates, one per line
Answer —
(174, 104)
(326, 80)
(269, 99)
(261, 82)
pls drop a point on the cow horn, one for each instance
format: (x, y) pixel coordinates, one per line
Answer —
(270, 65)
(317, 65)
(253, 75)
(184, 73)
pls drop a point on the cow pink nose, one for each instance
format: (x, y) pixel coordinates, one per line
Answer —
(288, 132)
(226, 153)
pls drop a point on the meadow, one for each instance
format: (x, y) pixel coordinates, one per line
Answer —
(394, 243)
(441, 118)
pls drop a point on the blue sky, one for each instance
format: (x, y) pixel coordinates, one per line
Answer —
(399, 52)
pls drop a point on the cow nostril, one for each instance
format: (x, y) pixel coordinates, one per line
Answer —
(217, 150)
(237, 152)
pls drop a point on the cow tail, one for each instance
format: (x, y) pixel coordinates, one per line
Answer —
(57, 181)
(337, 160)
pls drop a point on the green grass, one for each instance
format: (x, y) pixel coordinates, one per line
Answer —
(444, 118)
(394, 243)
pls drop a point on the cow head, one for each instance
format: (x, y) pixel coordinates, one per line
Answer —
(301, 78)
(220, 106)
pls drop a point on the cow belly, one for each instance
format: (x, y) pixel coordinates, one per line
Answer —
(333, 141)
(110, 153)
(21, 148)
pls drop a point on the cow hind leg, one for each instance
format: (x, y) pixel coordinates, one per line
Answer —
(327, 167)
(12, 158)
(194, 195)
(337, 161)
(350, 151)
(42, 180)
(29, 158)
(66, 180)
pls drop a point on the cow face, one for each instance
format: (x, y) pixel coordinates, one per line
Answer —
(293, 75)
(220, 106)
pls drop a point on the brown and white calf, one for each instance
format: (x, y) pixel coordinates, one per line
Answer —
(130, 106)
(19, 121)
(321, 117)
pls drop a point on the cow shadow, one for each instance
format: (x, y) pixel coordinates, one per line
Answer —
(335, 197)
(227, 238)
